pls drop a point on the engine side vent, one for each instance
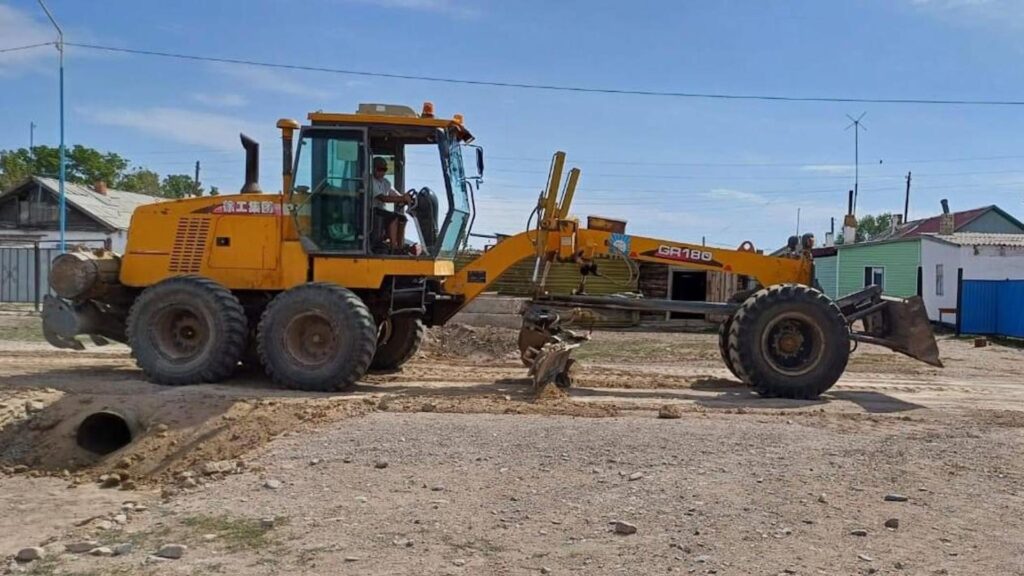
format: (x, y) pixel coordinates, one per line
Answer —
(189, 245)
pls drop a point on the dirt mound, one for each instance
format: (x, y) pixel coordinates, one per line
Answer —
(169, 433)
(471, 342)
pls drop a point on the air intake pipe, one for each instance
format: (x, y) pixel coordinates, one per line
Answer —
(252, 165)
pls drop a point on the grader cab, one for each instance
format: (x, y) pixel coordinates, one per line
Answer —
(319, 284)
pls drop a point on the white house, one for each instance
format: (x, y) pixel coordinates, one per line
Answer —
(95, 215)
(980, 256)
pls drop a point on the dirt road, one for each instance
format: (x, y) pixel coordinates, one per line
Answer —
(453, 466)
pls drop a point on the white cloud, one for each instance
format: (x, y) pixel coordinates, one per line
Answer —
(196, 128)
(828, 168)
(268, 80)
(220, 100)
(996, 14)
(17, 28)
(737, 195)
(458, 8)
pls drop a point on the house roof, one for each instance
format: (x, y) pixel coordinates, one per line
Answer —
(982, 239)
(113, 209)
(960, 219)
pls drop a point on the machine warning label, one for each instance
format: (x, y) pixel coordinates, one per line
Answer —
(477, 277)
(684, 254)
(246, 207)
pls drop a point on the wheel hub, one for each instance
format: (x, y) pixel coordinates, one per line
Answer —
(179, 333)
(788, 341)
(792, 344)
(310, 339)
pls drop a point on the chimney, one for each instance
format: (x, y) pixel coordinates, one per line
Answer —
(946, 223)
(849, 222)
(100, 187)
(895, 223)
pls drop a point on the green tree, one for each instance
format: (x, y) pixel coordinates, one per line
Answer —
(88, 166)
(83, 165)
(179, 186)
(871, 227)
(214, 191)
(142, 181)
(16, 165)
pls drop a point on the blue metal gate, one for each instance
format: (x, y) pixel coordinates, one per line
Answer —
(992, 307)
(25, 273)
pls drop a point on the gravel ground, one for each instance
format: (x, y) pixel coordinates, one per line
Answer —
(708, 494)
(452, 466)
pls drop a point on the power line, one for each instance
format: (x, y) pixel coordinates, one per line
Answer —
(26, 47)
(552, 87)
(808, 164)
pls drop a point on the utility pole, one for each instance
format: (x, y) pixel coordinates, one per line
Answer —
(195, 183)
(31, 136)
(906, 200)
(797, 221)
(63, 160)
(857, 127)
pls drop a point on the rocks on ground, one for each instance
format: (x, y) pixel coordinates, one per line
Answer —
(620, 527)
(29, 554)
(172, 551)
(670, 411)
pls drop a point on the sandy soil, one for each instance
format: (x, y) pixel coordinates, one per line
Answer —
(453, 465)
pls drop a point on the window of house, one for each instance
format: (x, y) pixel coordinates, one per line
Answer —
(38, 209)
(938, 280)
(874, 276)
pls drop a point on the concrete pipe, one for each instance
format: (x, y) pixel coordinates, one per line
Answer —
(106, 431)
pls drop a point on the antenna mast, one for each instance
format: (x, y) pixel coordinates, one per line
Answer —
(857, 127)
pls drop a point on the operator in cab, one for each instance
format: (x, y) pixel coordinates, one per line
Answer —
(385, 195)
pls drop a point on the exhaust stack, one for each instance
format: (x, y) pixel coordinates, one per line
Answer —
(252, 165)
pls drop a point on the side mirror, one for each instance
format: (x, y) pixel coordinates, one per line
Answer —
(480, 161)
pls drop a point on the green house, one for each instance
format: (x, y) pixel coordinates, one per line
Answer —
(894, 261)
(892, 264)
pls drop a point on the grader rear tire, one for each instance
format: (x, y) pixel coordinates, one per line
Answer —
(187, 330)
(317, 337)
(789, 341)
(397, 342)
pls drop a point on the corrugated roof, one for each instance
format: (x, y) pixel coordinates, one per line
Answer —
(983, 239)
(113, 208)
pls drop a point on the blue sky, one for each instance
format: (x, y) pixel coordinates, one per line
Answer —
(676, 168)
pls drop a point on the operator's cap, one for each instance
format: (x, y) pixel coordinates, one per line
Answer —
(379, 162)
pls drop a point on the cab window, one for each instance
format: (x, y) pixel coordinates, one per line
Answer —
(329, 195)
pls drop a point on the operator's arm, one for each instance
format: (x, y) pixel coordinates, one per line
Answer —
(386, 194)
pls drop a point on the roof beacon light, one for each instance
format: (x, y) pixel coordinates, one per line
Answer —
(428, 110)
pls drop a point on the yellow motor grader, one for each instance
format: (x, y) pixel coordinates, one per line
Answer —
(309, 285)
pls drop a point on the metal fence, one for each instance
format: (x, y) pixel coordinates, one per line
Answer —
(993, 307)
(25, 270)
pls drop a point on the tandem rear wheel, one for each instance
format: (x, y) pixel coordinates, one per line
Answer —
(787, 341)
(398, 339)
(317, 337)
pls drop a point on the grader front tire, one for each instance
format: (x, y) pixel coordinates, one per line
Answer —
(187, 330)
(789, 341)
(723, 346)
(317, 337)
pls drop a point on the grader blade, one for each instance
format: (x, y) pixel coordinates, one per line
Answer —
(900, 324)
(545, 347)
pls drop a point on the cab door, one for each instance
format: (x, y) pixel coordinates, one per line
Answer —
(329, 198)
